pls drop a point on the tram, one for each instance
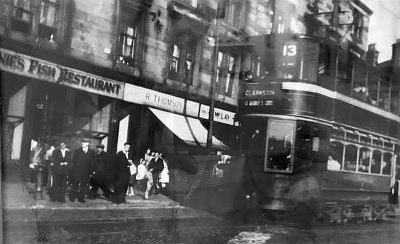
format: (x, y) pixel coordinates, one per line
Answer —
(311, 143)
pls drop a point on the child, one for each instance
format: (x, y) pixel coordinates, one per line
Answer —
(141, 172)
(164, 175)
(132, 179)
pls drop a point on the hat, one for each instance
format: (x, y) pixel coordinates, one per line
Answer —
(100, 146)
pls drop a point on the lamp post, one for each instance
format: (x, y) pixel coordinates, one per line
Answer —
(220, 14)
(40, 166)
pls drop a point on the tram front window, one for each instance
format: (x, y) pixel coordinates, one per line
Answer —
(376, 162)
(363, 163)
(350, 158)
(280, 146)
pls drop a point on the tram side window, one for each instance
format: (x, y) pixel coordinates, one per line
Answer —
(387, 163)
(376, 162)
(397, 168)
(280, 146)
(363, 163)
(350, 158)
(335, 156)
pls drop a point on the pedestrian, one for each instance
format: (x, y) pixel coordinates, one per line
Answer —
(147, 157)
(47, 173)
(141, 173)
(122, 161)
(61, 162)
(101, 173)
(82, 165)
(156, 165)
(132, 179)
(164, 174)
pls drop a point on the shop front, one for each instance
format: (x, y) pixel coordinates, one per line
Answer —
(44, 103)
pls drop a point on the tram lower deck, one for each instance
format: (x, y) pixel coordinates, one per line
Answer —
(342, 173)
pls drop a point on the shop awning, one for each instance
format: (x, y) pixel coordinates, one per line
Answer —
(188, 129)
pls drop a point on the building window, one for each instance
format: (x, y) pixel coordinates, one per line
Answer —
(182, 58)
(193, 3)
(226, 70)
(358, 20)
(47, 28)
(234, 11)
(23, 17)
(128, 36)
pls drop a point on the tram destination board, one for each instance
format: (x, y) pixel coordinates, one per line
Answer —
(260, 98)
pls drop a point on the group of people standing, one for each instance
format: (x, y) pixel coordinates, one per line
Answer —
(86, 170)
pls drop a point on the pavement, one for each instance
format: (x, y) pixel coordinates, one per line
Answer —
(19, 205)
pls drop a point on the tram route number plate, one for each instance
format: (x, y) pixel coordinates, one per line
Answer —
(257, 103)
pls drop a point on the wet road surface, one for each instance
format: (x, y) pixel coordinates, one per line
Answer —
(198, 231)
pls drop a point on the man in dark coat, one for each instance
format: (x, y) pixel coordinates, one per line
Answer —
(122, 161)
(156, 165)
(82, 166)
(101, 175)
(60, 164)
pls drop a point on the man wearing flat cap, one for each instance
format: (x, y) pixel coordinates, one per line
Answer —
(101, 174)
(82, 163)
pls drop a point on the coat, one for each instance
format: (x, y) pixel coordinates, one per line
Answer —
(101, 163)
(157, 164)
(82, 164)
(121, 163)
(61, 165)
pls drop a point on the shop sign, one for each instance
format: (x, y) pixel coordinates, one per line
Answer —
(220, 115)
(140, 95)
(28, 66)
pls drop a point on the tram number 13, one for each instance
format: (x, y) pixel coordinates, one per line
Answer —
(289, 50)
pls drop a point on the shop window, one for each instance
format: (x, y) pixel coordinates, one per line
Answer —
(376, 162)
(226, 70)
(364, 160)
(280, 141)
(128, 36)
(182, 58)
(23, 17)
(387, 164)
(350, 158)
